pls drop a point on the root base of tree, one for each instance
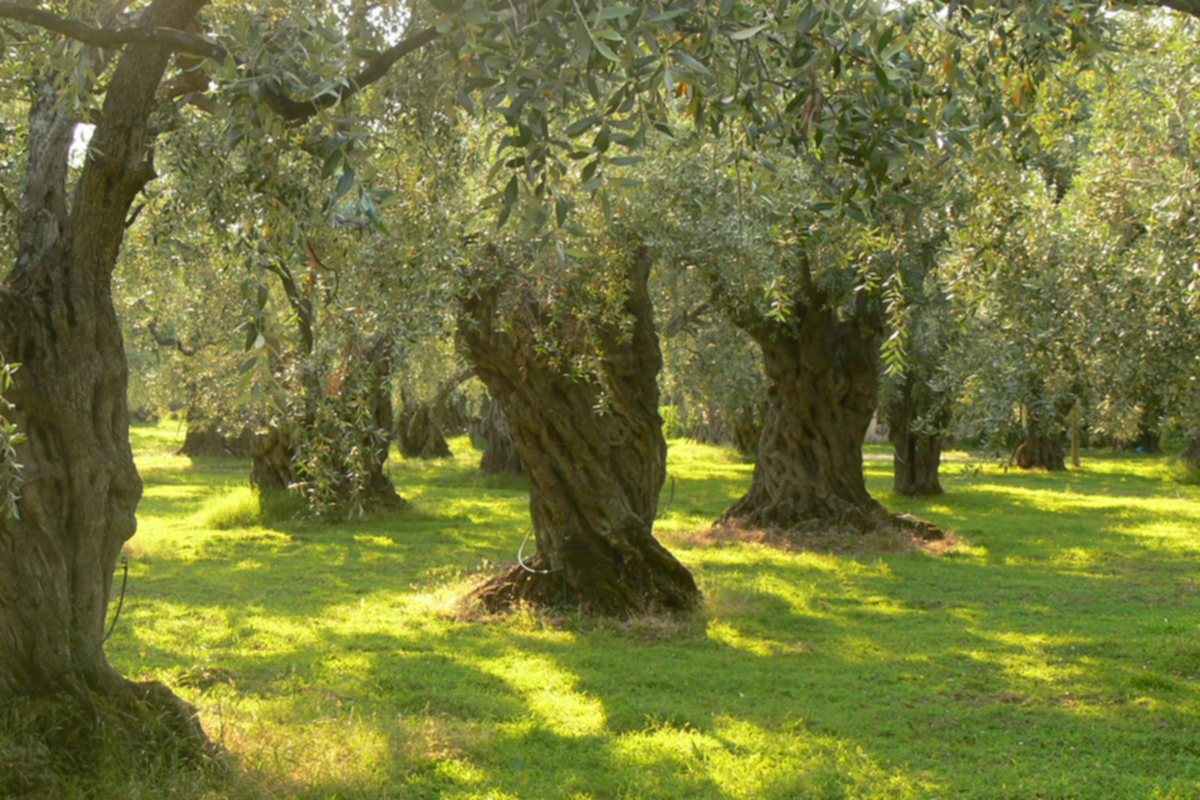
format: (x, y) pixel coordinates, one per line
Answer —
(851, 530)
(534, 586)
(135, 727)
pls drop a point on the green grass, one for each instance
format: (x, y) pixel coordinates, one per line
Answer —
(1054, 654)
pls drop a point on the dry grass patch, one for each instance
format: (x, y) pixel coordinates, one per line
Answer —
(836, 539)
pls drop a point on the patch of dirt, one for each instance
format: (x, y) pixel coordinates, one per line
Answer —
(906, 533)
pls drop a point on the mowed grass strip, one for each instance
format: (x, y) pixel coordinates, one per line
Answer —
(1055, 653)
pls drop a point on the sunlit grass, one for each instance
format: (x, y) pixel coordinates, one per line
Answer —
(1055, 653)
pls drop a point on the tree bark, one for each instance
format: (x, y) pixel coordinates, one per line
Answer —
(421, 430)
(379, 486)
(272, 460)
(419, 434)
(57, 319)
(1191, 450)
(917, 455)
(594, 475)
(500, 455)
(1041, 450)
(207, 437)
(1149, 437)
(824, 375)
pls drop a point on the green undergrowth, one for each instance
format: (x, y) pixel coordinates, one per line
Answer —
(1054, 653)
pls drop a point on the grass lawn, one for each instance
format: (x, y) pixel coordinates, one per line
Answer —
(1054, 654)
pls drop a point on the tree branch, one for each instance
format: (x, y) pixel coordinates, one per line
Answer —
(688, 320)
(108, 38)
(170, 341)
(300, 110)
(189, 43)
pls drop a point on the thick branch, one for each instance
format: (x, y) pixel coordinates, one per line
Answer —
(450, 384)
(182, 42)
(170, 341)
(300, 110)
(176, 40)
(688, 320)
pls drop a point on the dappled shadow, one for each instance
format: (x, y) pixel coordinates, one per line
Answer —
(1056, 655)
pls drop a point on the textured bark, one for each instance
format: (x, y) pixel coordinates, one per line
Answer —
(56, 317)
(1191, 450)
(824, 377)
(379, 486)
(457, 419)
(206, 437)
(419, 433)
(917, 455)
(594, 477)
(500, 456)
(422, 424)
(742, 428)
(272, 461)
(1041, 450)
(1149, 437)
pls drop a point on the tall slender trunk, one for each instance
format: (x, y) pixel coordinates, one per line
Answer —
(594, 475)
(1149, 436)
(824, 377)
(57, 319)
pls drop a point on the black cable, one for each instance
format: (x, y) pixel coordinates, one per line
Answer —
(112, 626)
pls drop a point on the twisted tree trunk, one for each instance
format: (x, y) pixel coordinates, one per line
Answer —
(420, 433)
(1041, 450)
(500, 455)
(209, 437)
(57, 319)
(824, 376)
(1191, 450)
(594, 476)
(917, 455)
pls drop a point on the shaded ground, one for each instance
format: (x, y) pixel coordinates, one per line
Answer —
(1054, 654)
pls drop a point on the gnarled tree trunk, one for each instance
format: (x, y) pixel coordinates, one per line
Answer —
(57, 319)
(272, 460)
(1041, 450)
(1149, 437)
(594, 476)
(917, 455)
(208, 437)
(1191, 450)
(824, 375)
(379, 486)
(420, 433)
(500, 455)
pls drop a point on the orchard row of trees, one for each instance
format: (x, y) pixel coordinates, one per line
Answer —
(296, 207)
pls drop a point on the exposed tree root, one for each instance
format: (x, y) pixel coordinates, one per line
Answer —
(852, 530)
(128, 728)
(664, 586)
